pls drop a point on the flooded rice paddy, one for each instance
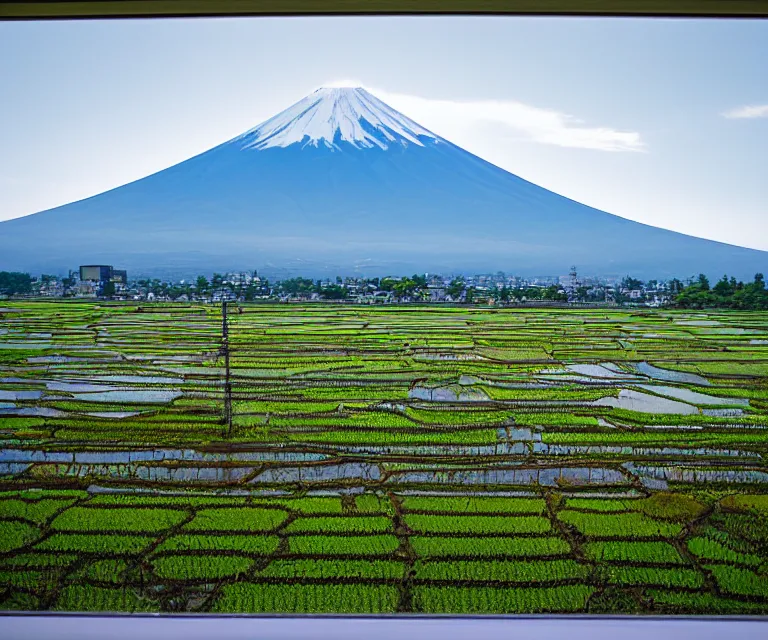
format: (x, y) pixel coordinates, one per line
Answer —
(382, 460)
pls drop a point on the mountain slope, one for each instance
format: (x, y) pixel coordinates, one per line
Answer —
(341, 182)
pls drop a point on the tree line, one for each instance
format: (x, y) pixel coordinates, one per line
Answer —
(727, 293)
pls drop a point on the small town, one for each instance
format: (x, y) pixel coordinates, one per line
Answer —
(107, 282)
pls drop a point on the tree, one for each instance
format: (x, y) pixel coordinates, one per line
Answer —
(675, 286)
(727, 293)
(109, 289)
(15, 283)
(387, 284)
(335, 292)
(420, 281)
(724, 287)
(469, 297)
(456, 288)
(504, 294)
(630, 283)
(202, 284)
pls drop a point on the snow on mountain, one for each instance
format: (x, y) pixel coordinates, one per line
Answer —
(330, 115)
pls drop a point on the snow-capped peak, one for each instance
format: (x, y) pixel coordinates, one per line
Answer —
(334, 114)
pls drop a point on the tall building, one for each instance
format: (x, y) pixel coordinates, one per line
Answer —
(96, 272)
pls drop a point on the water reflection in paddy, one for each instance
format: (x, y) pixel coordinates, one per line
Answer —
(670, 376)
(549, 477)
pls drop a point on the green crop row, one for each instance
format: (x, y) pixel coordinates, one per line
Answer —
(619, 525)
(307, 598)
(489, 600)
(475, 504)
(502, 570)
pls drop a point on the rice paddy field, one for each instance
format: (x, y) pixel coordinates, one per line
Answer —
(382, 460)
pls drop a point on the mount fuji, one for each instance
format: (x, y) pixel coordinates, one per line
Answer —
(341, 183)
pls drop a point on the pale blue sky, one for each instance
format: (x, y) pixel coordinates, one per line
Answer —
(625, 115)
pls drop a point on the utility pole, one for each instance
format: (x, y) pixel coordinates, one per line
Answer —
(227, 383)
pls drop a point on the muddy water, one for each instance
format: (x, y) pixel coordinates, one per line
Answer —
(670, 376)
(12, 468)
(694, 474)
(140, 379)
(645, 403)
(321, 473)
(20, 395)
(78, 387)
(651, 452)
(33, 412)
(143, 396)
(692, 396)
(448, 394)
(548, 477)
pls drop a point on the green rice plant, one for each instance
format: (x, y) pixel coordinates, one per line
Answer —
(243, 597)
(475, 504)
(334, 569)
(470, 547)
(372, 503)
(90, 598)
(476, 524)
(95, 543)
(111, 570)
(742, 502)
(741, 525)
(490, 600)
(633, 551)
(714, 551)
(37, 512)
(184, 502)
(671, 506)
(199, 567)
(453, 417)
(601, 504)
(125, 520)
(738, 581)
(273, 407)
(377, 545)
(658, 576)
(307, 506)
(373, 419)
(344, 524)
(352, 393)
(247, 544)
(237, 519)
(16, 534)
(502, 570)
(706, 603)
(353, 437)
(40, 580)
(619, 525)
(39, 561)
